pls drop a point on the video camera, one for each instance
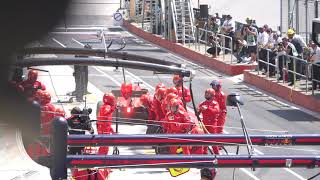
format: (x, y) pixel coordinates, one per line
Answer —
(83, 117)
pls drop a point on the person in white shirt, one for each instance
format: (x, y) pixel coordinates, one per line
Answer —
(262, 41)
(315, 59)
(228, 28)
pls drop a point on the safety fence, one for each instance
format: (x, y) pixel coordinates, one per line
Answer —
(199, 39)
(287, 68)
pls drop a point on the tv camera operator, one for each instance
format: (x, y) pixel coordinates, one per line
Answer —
(79, 123)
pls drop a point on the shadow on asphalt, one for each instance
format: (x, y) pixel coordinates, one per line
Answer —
(294, 115)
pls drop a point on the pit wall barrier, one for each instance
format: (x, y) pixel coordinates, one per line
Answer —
(213, 63)
(289, 94)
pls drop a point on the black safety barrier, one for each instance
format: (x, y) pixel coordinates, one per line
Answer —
(58, 168)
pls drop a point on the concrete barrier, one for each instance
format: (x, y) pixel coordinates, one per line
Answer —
(213, 63)
(294, 96)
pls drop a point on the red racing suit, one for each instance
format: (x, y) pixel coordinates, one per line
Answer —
(221, 99)
(178, 123)
(186, 93)
(47, 114)
(210, 111)
(105, 113)
(30, 88)
(156, 107)
(37, 149)
(151, 114)
(94, 174)
(198, 149)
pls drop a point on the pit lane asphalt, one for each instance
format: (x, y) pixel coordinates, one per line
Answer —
(261, 111)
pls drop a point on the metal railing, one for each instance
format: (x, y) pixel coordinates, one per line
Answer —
(202, 38)
(307, 75)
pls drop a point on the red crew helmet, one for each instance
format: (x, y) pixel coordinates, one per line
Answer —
(216, 84)
(126, 90)
(160, 93)
(32, 75)
(160, 85)
(174, 105)
(172, 90)
(45, 97)
(177, 80)
(60, 112)
(145, 100)
(209, 94)
(109, 98)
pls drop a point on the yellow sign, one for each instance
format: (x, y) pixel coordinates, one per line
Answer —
(174, 172)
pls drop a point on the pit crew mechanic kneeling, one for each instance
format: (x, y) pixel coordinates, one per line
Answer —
(78, 123)
(177, 121)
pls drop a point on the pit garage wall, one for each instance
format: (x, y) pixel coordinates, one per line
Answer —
(296, 97)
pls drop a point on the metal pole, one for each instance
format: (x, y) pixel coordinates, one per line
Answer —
(316, 5)
(183, 20)
(281, 15)
(170, 20)
(297, 16)
(157, 12)
(245, 132)
(143, 2)
(194, 161)
(283, 139)
(289, 14)
(307, 19)
(268, 65)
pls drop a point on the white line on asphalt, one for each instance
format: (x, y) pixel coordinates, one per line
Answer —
(249, 174)
(295, 174)
(77, 42)
(59, 42)
(108, 76)
(80, 33)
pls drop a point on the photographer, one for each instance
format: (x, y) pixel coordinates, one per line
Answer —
(251, 39)
(78, 123)
(215, 48)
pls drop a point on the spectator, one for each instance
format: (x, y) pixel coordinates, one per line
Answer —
(315, 60)
(241, 51)
(251, 35)
(300, 46)
(280, 50)
(218, 19)
(228, 28)
(214, 24)
(271, 44)
(262, 41)
(215, 48)
(292, 51)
